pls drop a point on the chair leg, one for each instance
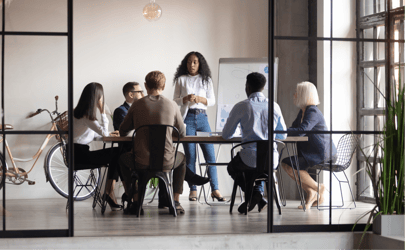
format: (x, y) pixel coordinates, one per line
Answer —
(317, 195)
(233, 197)
(341, 192)
(167, 179)
(169, 188)
(276, 198)
(141, 194)
(282, 197)
(350, 188)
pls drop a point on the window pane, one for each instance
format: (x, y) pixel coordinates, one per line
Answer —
(368, 46)
(369, 88)
(368, 143)
(381, 46)
(380, 51)
(366, 189)
(344, 19)
(396, 3)
(381, 32)
(380, 123)
(38, 15)
(381, 87)
(380, 6)
(369, 123)
(366, 7)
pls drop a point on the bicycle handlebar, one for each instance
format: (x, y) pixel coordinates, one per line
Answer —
(42, 110)
(34, 114)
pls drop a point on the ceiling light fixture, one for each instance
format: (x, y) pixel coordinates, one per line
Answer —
(152, 11)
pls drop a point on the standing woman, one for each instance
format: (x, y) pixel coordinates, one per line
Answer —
(194, 92)
(317, 149)
(86, 128)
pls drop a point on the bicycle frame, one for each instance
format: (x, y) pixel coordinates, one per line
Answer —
(35, 157)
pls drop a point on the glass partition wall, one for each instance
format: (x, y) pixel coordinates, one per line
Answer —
(353, 53)
(345, 48)
(36, 66)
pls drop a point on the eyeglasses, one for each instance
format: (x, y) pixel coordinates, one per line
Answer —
(137, 91)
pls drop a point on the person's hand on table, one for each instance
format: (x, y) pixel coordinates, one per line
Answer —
(115, 133)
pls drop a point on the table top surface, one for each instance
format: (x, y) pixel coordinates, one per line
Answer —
(207, 139)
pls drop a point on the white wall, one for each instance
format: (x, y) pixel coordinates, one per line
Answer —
(343, 78)
(114, 44)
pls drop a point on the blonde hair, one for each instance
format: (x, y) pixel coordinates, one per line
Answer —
(306, 95)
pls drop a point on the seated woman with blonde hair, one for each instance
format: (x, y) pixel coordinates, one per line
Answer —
(317, 149)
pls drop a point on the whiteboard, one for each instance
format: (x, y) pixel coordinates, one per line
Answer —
(232, 74)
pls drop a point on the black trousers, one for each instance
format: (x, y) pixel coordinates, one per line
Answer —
(235, 169)
(110, 156)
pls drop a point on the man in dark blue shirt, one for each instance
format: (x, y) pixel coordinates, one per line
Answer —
(132, 91)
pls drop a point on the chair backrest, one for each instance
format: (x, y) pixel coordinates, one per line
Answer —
(346, 147)
(262, 154)
(157, 141)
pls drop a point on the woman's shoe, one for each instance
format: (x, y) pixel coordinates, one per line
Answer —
(114, 206)
(192, 196)
(124, 198)
(197, 180)
(179, 208)
(219, 198)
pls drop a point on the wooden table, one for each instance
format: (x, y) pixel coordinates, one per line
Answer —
(207, 139)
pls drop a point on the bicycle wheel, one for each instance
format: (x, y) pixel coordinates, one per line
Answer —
(85, 181)
(1, 171)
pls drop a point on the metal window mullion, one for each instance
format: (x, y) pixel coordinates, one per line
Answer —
(70, 115)
(2, 113)
(270, 208)
(401, 45)
(360, 70)
(375, 97)
(360, 78)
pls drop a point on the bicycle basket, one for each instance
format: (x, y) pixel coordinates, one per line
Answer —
(62, 125)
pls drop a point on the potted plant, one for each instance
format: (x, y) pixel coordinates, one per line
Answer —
(387, 175)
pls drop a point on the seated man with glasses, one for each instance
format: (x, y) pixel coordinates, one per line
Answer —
(132, 91)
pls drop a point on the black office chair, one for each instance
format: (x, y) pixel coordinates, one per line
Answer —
(157, 142)
(91, 185)
(260, 173)
(347, 145)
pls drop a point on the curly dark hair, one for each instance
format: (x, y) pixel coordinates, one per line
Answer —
(203, 69)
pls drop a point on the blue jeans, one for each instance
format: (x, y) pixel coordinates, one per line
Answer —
(199, 122)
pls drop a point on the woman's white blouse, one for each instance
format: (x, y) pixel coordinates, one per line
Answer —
(187, 85)
(85, 131)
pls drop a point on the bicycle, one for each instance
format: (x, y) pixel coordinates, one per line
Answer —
(55, 164)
